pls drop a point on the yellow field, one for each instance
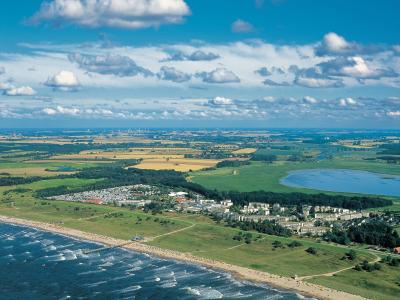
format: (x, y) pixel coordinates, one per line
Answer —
(134, 153)
(79, 162)
(245, 151)
(31, 171)
(182, 165)
(359, 144)
(130, 139)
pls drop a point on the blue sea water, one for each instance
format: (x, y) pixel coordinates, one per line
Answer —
(341, 180)
(36, 264)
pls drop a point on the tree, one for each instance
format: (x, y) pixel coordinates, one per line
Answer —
(277, 244)
(352, 255)
(311, 250)
(294, 244)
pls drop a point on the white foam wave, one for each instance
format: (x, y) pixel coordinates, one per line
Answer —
(130, 289)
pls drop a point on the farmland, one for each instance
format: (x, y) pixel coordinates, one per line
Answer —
(182, 165)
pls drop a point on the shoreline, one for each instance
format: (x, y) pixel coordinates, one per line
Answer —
(242, 273)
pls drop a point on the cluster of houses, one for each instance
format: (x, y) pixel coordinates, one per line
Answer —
(314, 220)
(201, 205)
(311, 220)
(135, 195)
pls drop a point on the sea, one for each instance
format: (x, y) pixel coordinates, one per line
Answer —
(36, 264)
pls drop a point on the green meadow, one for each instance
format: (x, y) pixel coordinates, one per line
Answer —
(266, 176)
(380, 285)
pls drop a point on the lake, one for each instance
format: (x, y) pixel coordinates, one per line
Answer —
(341, 180)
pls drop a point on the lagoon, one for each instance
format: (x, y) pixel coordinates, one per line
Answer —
(344, 180)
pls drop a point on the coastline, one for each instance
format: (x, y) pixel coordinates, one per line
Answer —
(287, 283)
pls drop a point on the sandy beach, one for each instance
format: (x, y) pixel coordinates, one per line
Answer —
(299, 286)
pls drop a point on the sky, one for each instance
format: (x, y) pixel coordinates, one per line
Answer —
(200, 63)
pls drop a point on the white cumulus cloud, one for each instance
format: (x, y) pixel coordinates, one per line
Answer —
(220, 101)
(347, 102)
(20, 91)
(64, 80)
(132, 14)
(219, 75)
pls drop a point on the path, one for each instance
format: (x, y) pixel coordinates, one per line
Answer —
(168, 233)
(377, 259)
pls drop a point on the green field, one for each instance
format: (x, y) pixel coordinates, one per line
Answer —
(383, 284)
(216, 242)
(266, 176)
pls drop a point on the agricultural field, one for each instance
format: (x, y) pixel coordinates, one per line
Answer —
(244, 151)
(42, 168)
(132, 153)
(177, 164)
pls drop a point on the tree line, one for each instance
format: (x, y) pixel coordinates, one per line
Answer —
(372, 233)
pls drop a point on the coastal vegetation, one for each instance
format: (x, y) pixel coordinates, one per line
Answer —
(243, 169)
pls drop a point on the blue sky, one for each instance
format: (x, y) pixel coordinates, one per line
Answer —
(271, 63)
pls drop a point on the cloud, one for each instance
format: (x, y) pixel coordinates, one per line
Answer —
(130, 14)
(355, 67)
(5, 86)
(219, 75)
(49, 111)
(347, 102)
(64, 81)
(195, 56)
(73, 111)
(172, 74)
(394, 113)
(20, 91)
(274, 83)
(218, 101)
(288, 65)
(333, 44)
(310, 82)
(109, 64)
(2, 70)
(240, 26)
(263, 72)
(331, 73)
(310, 100)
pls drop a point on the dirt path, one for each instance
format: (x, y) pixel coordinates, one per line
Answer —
(168, 233)
(377, 259)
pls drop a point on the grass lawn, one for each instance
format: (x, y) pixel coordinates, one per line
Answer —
(111, 221)
(379, 285)
(264, 176)
(216, 242)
